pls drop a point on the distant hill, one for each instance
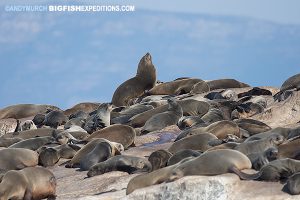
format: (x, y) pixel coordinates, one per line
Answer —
(66, 58)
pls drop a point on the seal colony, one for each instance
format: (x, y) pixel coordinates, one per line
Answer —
(216, 133)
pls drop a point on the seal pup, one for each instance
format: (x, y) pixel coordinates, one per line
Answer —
(162, 120)
(129, 164)
(190, 121)
(17, 158)
(159, 158)
(28, 183)
(39, 119)
(255, 91)
(28, 125)
(100, 119)
(49, 156)
(144, 79)
(258, 160)
(291, 83)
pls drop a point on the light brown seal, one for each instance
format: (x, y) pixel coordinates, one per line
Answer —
(116, 133)
(28, 183)
(40, 132)
(86, 107)
(17, 158)
(28, 125)
(24, 110)
(129, 164)
(195, 142)
(144, 79)
(176, 87)
(221, 129)
(207, 86)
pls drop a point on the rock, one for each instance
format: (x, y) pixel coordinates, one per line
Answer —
(7, 125)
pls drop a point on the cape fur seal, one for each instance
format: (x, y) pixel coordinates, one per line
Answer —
(159, 158)
(189, 107)
(101, 152)
(86, 107)
(49, 156)
(176, 87)
(195, 142)
(162, 120)
(207, 86)
(75, 161)
(291, 83)
(28, 125)
(24, 110)
(293, 184)
(33, 143)
(221, 129)
(28, 183)
(17, 158)
(124, 163)
(55, 118)
(273, 171)
(210, 163)
(100, 119)
(116, 133)
(182, 154)
(144, 79)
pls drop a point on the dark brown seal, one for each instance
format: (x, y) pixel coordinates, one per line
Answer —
(129, 164)
(144, 79)
(159, 158)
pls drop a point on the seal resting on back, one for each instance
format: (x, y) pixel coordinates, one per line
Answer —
(144, 79)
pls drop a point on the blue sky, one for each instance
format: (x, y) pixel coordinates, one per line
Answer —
(67, 58)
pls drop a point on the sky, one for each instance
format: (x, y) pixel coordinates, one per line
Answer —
(67, 58)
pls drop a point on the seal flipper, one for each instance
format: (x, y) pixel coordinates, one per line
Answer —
(245, 176)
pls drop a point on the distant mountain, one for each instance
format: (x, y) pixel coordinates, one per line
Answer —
(66, 58)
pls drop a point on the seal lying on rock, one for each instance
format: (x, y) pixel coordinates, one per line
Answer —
(291, 83)
(125, 163)
(28, 183)
(273, 171)
(17, 158)
(162, 120)
(210, 163)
